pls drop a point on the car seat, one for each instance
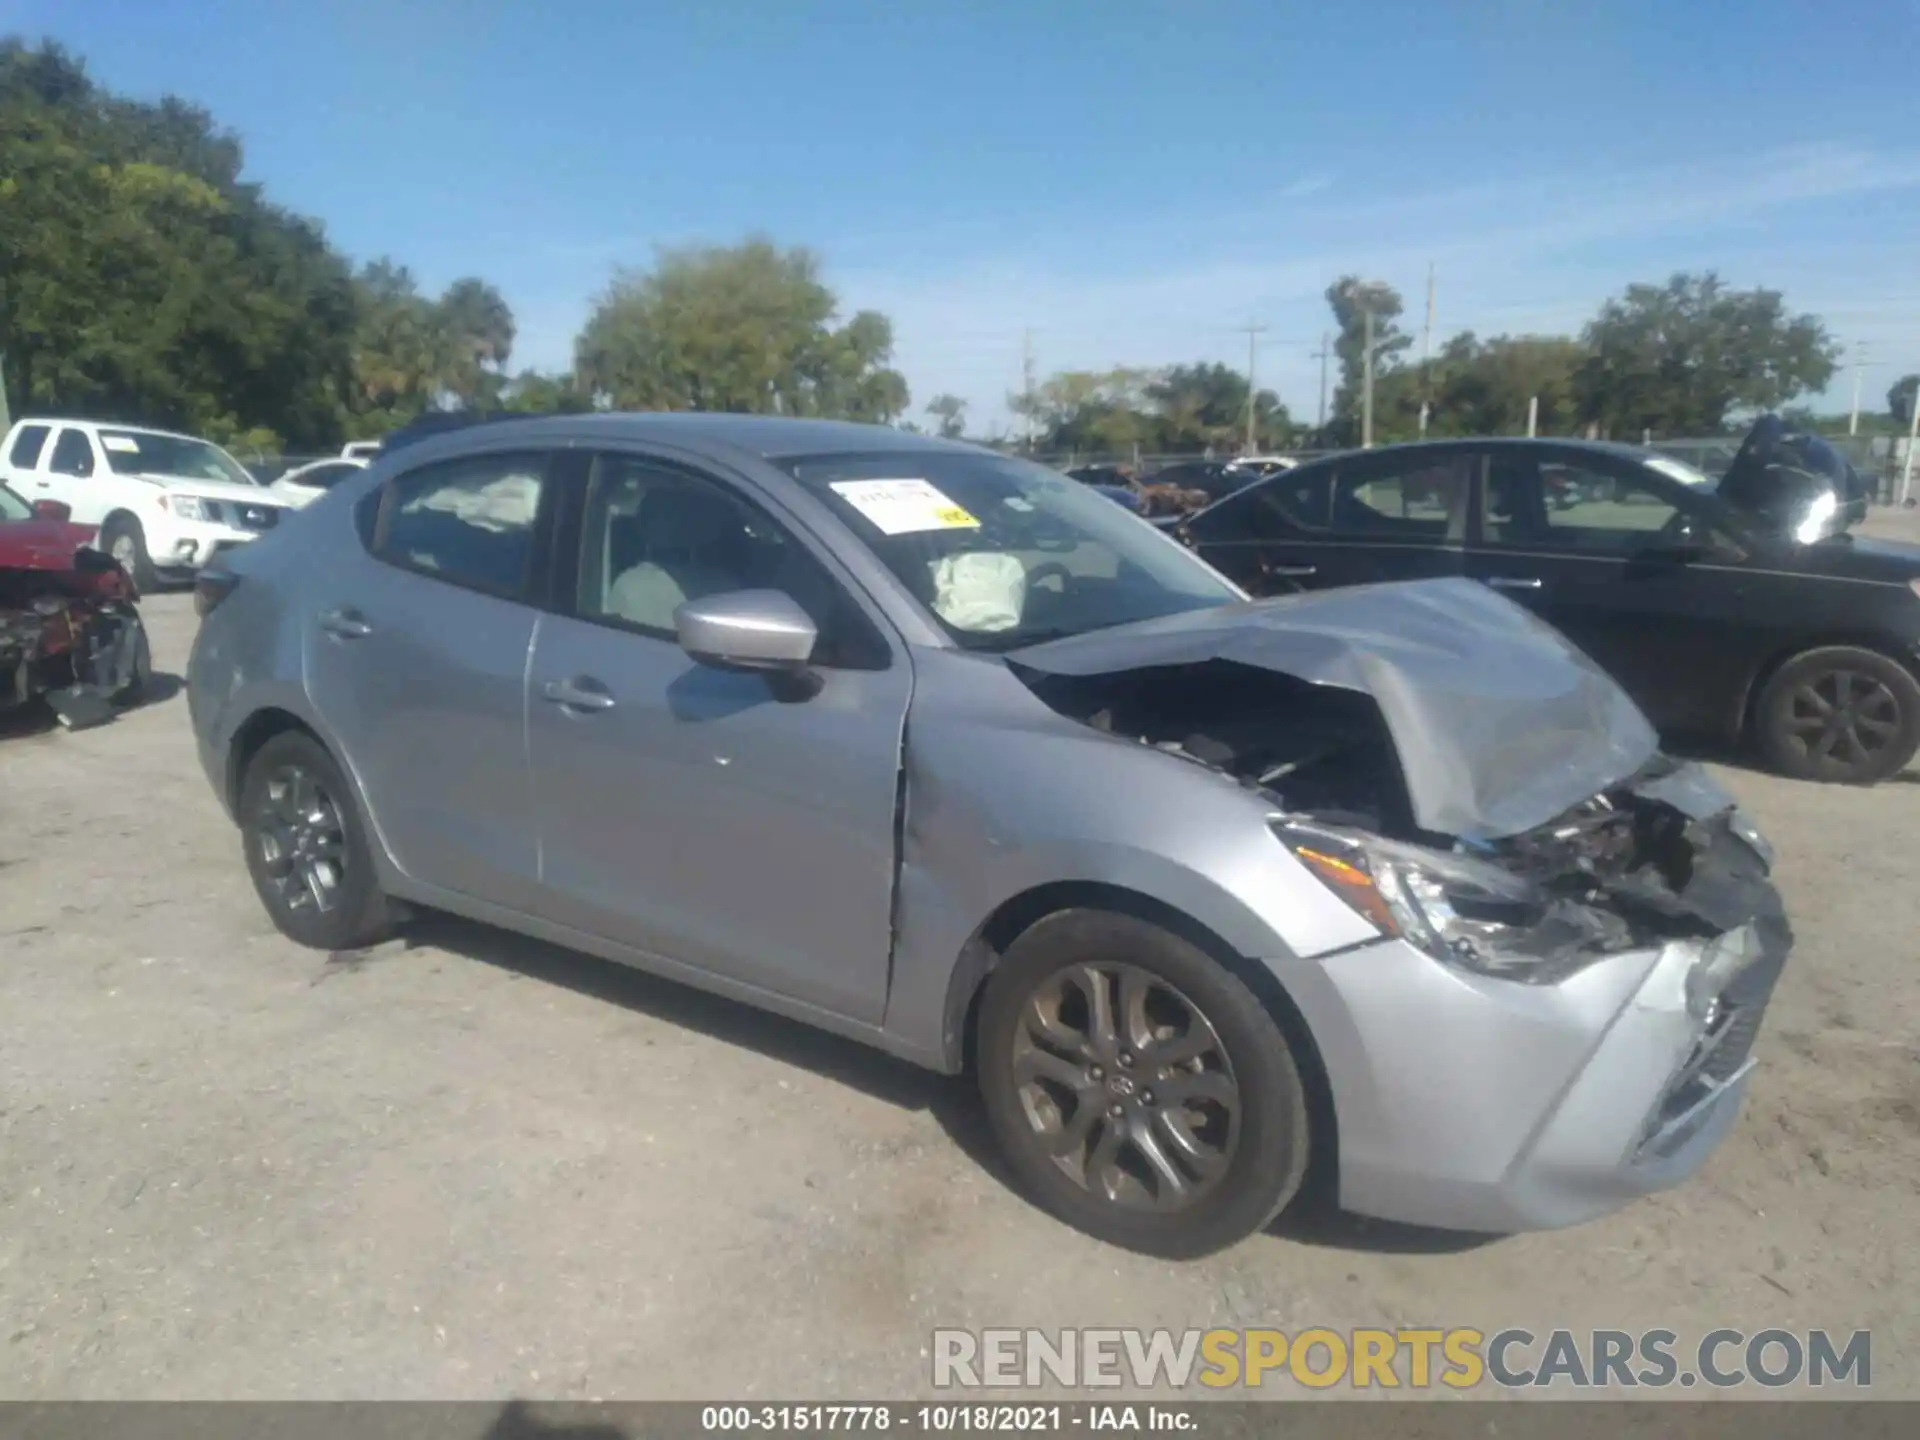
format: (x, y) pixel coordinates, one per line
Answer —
(684, 536)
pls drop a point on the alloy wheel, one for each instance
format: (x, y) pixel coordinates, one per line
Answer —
(1127, 1086)
(302, 840)
(1848, 716)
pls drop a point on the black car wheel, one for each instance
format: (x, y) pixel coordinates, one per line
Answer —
(1139, 1091)
(1839, 714)
(306, 850)
(135, 690)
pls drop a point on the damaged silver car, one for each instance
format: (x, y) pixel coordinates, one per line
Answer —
(943, 752)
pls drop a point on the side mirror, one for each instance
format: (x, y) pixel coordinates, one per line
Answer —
(747, 630)
(52, 510)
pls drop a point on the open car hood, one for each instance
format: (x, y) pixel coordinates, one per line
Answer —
(42, 544)
(1500, 724)
(1793, 483)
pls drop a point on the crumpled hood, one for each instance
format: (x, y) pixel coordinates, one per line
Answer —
(1500, 723)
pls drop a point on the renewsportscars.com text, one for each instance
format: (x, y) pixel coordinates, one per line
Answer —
(1408, 1358)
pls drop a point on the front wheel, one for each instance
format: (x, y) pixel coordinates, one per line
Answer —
(1839, 714)
(1139, 1091)
(126, 542)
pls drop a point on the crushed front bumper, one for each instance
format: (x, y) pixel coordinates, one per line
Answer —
(1478, 1104)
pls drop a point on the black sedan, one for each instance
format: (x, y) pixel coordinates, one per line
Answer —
(1740, 609)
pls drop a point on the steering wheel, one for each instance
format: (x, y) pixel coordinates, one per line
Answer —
(1047, 570)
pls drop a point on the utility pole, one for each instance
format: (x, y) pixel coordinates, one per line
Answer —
(1426, 357)
(1253, 409)
(1913, 441)
(1366, 387)
(1026, 383)
(1853, 417)
(1325, 350)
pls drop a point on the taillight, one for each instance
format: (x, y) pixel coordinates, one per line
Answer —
(210, 587)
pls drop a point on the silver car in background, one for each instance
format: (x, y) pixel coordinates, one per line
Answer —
(939, 750)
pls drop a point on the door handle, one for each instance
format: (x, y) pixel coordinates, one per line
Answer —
(345, 624)
(1291, 572)
(1514, 582)
(581, 693)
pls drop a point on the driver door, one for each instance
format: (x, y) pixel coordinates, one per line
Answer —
(706, 817)
(1587, 543)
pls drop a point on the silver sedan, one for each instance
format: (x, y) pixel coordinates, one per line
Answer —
(941, 751)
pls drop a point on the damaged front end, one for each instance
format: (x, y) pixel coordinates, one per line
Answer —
(1478, 793)
(71, 637)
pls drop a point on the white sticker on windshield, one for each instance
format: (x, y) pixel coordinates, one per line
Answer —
(121, 444)
(903, 507)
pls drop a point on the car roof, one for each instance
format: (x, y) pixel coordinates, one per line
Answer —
(107, 425)
(1523, 443)
(767, 436)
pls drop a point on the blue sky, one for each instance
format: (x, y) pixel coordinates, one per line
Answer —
(1130, 180)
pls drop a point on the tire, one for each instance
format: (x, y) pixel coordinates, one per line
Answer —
(1035, 1080)
(297, 820)
(1838, 714)
(131, 693)
(122, 538)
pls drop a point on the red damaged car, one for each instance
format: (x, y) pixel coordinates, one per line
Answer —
(70, 632)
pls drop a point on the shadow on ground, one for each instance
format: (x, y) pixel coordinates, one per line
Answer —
(951, 1101)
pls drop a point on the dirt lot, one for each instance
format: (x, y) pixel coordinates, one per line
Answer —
(468, 1165)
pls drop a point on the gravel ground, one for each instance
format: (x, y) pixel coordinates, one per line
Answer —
(467, 1165)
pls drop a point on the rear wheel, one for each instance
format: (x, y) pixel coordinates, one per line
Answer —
(1139, 1091)
(1839, 714)
(123, 539)
(306, 849)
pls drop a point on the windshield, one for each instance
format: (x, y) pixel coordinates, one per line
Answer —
(12, 507)
(142, 452)
(1004, 553)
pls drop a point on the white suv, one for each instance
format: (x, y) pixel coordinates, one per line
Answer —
(166, 504)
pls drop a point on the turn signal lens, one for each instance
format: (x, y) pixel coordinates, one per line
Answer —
(1353, 885)
(210, 587)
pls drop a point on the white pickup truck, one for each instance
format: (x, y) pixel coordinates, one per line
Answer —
(166, 504)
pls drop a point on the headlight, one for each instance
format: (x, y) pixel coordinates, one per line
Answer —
(188, 507)
(1461, 911)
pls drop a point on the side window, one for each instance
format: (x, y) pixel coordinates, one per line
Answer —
(325, 477)
(1290, 504)
(72, 454)
(27, 446)
(654, 537)
(1590, 509)
(468, 521)
(1415, 499)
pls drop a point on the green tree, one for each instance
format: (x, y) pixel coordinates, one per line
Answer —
(534, 393)
(1103, 412)
(950, 416)
(141, 280)
(1351, 299)
(1900, 398)
(1205, 406)
(745, 328)
(476, 338)
(1482, 387)
(1679, 358)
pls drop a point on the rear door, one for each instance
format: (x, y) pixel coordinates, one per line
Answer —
(416, 657)
(20, 466)
(1354, 520)
(713, 818)
(1631, 567)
